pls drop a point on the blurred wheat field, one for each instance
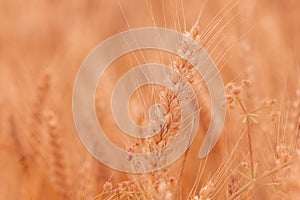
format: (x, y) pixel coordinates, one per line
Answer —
(42, 45)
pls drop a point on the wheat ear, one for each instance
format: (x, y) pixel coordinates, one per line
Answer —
(57, 165)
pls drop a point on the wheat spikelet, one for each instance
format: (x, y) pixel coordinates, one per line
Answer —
(172, 117)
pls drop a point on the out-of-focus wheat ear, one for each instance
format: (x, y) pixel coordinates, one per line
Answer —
(58, 170)
(85, 190)
(35, 151)
(18, 144)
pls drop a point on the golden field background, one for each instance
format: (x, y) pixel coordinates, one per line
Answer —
(43, 43)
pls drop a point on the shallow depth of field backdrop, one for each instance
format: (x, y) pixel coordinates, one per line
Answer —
(43, 43)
